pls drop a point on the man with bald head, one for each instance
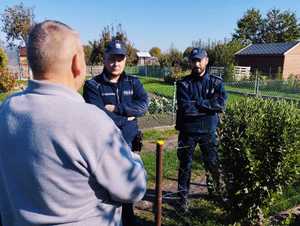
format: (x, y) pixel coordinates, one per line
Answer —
(58, 166)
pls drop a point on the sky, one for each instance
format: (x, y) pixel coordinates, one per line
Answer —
(149, 23)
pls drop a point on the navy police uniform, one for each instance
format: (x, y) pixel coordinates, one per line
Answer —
(199, 101)
(128, 95)
(130, 99)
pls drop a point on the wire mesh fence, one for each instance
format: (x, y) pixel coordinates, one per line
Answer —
(202, 208)
(155, 71)
(285, 89)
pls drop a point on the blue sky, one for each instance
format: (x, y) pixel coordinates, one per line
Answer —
(151, 23)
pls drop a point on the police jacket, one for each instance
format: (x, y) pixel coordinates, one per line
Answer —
(199, 100)
(128, 95)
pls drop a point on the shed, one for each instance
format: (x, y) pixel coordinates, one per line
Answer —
(271, 58)
(146, 58)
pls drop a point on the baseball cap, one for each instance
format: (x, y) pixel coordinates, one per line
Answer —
(198, 53)
(116, 47)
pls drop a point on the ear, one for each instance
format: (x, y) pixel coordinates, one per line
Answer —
(207, 60)
(76, 69)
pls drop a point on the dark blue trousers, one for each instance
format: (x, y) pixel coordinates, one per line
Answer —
(187, 143)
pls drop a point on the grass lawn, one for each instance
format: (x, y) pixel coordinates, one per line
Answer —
(158, 87)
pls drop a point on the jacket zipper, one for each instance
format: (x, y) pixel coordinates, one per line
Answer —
(117, 93)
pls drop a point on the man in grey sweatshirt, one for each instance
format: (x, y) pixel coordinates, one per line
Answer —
(59, 166)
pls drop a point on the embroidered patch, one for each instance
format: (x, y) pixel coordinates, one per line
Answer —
(118, 45)
(128, 92)
(108, 94)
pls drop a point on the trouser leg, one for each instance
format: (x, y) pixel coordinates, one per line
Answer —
(128, 218)
(186, 147)
(209, 149)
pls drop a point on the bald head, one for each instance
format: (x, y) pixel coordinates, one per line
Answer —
(51, 47)
(55, 54)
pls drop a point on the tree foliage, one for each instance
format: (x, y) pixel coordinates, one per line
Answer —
(3, 59)
(249, 27)
(155, 52)
(280, 27)
(17, 21)
(277, 26)
(112, 33)
(7, 80)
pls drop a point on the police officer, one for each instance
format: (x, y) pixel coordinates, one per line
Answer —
(200, 97)
(122, 97)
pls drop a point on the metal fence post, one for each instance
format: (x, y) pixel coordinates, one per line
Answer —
(256, 83)
(158, 185)
(174, 103)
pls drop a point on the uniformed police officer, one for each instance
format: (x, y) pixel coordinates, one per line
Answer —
(122, 97)
(200, 97)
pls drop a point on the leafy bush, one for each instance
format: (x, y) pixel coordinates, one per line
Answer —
(7, 80)
(160, 105)
(260, 140)
(3, 59)
(175, 74)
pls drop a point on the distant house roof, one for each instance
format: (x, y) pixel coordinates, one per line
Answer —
(143, 54)
(267, 48)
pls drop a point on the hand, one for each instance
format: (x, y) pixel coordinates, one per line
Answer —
(110, 107)
(130, 118)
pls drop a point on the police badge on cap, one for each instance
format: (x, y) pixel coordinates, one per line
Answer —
(116, 47)
(198, 53)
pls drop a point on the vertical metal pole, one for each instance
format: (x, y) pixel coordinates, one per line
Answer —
(174, 103)
(158, 187)
(256, 83)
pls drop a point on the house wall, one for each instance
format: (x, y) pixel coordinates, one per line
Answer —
(292, 63)
(268, 65)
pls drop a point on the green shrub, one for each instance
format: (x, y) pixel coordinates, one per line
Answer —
(175, 74)
(3, 59)
(259, 143)
(160, 105)
(7, 80)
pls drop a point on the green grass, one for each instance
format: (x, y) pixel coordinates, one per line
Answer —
(160, 88)
(289, 199)
(170, 160)
(157, 87)
(159, 134)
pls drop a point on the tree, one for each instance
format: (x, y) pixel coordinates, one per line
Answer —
(280, 26)
(249, 27)
(277, 26)
(17, 21)
(108, 34)
(155, 52)
(187, 52)
(87, 53)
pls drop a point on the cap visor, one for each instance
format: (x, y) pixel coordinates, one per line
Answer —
(197, 57)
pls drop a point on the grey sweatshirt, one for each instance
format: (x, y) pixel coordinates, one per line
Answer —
(62, 161)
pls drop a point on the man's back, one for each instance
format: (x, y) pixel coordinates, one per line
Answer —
(58, 165)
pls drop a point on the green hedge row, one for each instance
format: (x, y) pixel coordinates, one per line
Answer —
(260, 141)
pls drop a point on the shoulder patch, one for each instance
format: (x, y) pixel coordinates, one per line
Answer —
(217, 80)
